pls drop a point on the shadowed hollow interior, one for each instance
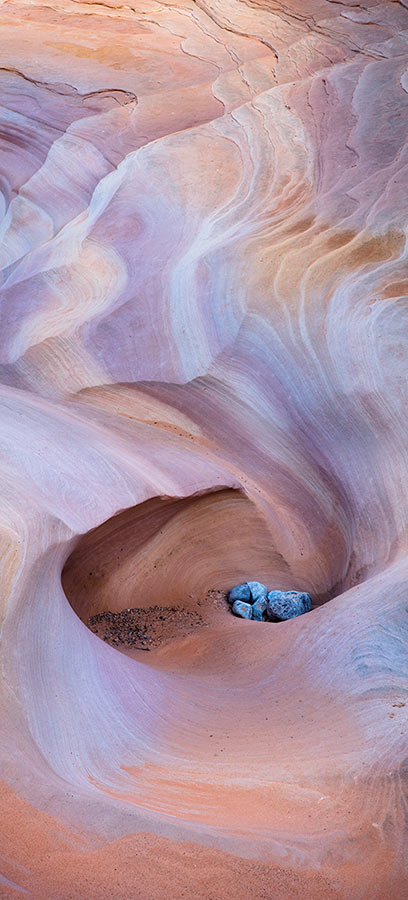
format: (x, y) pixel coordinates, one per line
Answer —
(170, 552)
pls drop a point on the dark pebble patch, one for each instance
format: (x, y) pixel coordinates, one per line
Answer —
(143, 628)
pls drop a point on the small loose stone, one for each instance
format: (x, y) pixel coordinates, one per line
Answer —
(258, 591)
(284, 605)
(259, 609)
(244, 610)
(240, 592)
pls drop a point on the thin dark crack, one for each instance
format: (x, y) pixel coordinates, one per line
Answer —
(233, 30)
(53, 88)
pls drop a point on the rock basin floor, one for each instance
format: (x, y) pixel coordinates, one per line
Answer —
(148, 628)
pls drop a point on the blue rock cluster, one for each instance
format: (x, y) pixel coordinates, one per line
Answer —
(252, 601)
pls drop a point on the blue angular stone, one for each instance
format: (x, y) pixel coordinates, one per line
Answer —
(259, 609)
(240, 592)
(258, 590)
(284, 605)
(239, 608)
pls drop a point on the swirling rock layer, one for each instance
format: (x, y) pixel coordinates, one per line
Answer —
(204, 381)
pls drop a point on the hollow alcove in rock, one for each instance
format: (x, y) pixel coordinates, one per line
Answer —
(170, 552)
(268, 695)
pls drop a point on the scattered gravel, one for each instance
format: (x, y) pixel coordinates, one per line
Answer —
(145, 628)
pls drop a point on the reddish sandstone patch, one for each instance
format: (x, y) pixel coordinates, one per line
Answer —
(46, 859)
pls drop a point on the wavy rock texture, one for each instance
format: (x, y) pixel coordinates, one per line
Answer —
(204, 379)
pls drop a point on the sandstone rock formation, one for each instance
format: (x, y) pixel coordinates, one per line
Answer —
(204, 380)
